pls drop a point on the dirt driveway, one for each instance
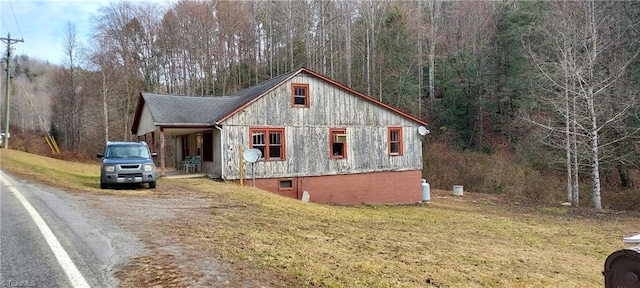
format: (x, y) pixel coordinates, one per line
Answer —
(159, 217)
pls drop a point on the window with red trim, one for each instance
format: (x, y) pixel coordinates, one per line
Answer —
(300, 95)
(338, 143)
(395, 140)
(270, 141)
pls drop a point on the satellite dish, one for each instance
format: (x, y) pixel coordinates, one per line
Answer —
(252, 155)
(423, 131)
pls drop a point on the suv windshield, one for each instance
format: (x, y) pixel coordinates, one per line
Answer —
(127, 151)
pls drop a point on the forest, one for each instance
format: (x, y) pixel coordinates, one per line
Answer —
(544, 87)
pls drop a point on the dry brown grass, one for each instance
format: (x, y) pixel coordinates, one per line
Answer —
(51, 170)
(477, 240)
(66, 174)
(452, 242)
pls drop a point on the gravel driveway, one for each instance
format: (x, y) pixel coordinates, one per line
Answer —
(169, 260)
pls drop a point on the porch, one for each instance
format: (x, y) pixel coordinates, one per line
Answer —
(186, 144)
(179, 174)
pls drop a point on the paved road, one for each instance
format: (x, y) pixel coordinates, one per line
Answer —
(29, 256)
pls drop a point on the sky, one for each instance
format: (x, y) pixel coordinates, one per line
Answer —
(41, 25)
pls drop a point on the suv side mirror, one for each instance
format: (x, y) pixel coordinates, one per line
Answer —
(100, 155)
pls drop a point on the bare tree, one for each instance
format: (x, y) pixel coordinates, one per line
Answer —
(103, 61)
(348, 52)
(434, 15)
(68, 91)
(575, 65)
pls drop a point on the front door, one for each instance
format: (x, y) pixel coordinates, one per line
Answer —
(185, 146)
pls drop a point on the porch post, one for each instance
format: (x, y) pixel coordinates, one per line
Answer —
(153, 140)
(164, 174)
(176, 160)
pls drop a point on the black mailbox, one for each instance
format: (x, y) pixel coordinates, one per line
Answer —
(622, 268)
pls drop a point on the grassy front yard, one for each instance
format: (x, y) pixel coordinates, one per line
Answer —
(472, 241)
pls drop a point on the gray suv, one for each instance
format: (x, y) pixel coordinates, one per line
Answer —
(127, 162)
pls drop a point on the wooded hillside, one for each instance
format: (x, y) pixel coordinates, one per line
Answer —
(553, 83)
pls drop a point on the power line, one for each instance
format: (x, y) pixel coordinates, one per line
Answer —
(29, 97)
(51, 141)
(5, 24)
(16, 19)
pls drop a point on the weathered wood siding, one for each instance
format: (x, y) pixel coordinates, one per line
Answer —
(147, 125)
(307, 133)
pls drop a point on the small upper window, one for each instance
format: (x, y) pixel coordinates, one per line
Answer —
(395, 140)
(300, 95)
(338, 143)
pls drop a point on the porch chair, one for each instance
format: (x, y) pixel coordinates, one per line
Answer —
(193, 164)
(183, 164)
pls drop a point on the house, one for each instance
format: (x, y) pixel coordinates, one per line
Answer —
(315, 135)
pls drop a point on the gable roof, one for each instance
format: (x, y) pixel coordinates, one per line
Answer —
(180, 110)
(368, 98)
(171, 109)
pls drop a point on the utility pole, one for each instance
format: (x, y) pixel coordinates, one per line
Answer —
(9, 41)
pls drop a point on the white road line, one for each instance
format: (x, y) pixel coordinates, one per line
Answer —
(74, 275)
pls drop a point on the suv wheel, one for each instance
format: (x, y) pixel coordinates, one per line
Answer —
(152, 185)
(103, 185)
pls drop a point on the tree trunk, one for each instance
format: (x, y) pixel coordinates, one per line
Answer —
(348, 56)
(595, 169)
(435, 7)
(595, 172)
(290, 28)
(369, 48)
(105, 111)
(574, 142)
(567, 122)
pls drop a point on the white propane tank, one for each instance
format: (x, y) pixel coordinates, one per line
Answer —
(426, 191)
